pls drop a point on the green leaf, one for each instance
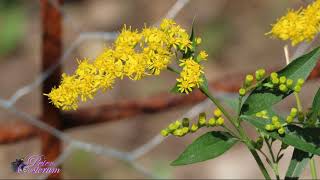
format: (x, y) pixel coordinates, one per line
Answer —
(204, 84)
(232, 102)
(298, 162)
(305, 139)
(192, 38)
(207, 146)
(315, 111)
(262, 97)
(175, 89)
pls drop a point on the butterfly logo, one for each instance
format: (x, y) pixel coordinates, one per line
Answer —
(18, 165)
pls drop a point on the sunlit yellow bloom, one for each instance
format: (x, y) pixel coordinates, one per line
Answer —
(298, 26)
(190, 76)
(203, 55)
(133, 55)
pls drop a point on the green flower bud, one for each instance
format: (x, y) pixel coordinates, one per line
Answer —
(217, 113)
(289, 83)
(164, 132)
(269, 127)
(282, 80)
(264, 112)
(289, 119)
(259, 74)
(172, 127)
(300, 116)
(283, 88)
(277, 125)
(293, 112)
(185, 130)
(281, 131)
(297, 88)
(275, 81)
(202, 119)
(274, 75)
(259, 114)
(194, 128)
(177, 124)
(300, 82)
(274, 119)
(212, 122)
(178, 132)
(185, 122)
(262, 72)
(249, 80)
(242, 91)
(220, 121)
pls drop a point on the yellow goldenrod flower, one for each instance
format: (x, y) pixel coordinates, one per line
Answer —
(190, 76)
(298, 26)
(133, 55)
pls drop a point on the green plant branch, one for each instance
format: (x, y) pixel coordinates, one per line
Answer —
(236, 123)
(299, 105)
(274, 164)
(231, 132)
(312, 164)
(239, 128)
(313, 169)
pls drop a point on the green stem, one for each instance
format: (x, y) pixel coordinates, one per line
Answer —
(260, 163)
(298, 101)
(313, 169)
(274, 162)
(236, 124)
(231, 132)
(217, 103)
(243, 136)
(312, 161)
(173, 70)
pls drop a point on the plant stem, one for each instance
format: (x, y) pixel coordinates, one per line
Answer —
(217, 103)
(312, 161)
(299, 106)
(243, 136)
(313, 169)
(274, 162)
(260, 163)
(173, 70)
(236, 124)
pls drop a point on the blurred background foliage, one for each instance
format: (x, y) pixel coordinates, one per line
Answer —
(12, 23)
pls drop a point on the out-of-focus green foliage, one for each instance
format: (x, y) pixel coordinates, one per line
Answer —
(11, 25)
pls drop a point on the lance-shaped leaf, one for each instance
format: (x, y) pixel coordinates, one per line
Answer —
(298, 162)
(263, 97)
(207, 146)
(305, 139)
(315, 111)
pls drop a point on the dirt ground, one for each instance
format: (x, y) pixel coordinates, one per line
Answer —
(232, 33)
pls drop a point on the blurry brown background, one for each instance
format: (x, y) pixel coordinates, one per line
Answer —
(232, 32)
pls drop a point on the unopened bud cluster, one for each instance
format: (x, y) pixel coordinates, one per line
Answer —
(275, 125)
(249, 80)
(275, 82)
(262, 114)
(284, 84)
(181, 128)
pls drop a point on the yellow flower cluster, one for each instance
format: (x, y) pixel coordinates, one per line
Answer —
(190, 75)
(298, 26)
(134, 55)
